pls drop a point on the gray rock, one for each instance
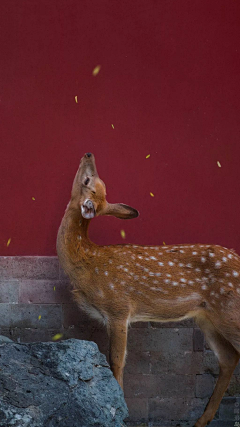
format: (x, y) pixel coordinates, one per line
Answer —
(4, 339)
(63, 384)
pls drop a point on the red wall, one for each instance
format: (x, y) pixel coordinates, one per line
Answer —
(169, 83)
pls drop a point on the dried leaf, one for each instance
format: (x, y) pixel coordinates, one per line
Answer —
(96, 70)
(112, 126)
(123, 234)
(151, 194)
(39, 317)
(54, 288)
(57, 337)
(164, 243)
(219, 164)
(76, 100)
(8, 242)
(33, 198)
(147, 157)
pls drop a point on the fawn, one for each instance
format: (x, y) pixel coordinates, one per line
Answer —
(120, 284)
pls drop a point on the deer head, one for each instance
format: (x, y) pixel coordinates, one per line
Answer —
(89, 193)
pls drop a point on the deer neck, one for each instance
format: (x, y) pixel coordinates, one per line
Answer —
(73, 243)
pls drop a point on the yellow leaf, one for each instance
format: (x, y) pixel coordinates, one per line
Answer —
(96, 70)
(147, 157)
(112, 126)
(219, 164)
(164, 243)
(8, 242)
(123, 234)
(39, 317)
(76, 100)
(151, 194)
(33, 198)
(57, 337)
(54, 288)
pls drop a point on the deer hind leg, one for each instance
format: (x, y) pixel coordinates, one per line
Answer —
(118, 348)
(228, 358)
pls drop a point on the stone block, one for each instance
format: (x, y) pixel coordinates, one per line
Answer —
(9, 290)
(138, 362)
(44, 291)
(138, 410)
(164, 386)
(204, 385)
(29, 267)
(74, 316)
(27, 315)
(229, 409)
(177, 361)
(165, 340)
(187, 323)
(198, 340)
(175, 408)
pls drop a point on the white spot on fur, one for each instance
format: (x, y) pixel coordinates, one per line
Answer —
(235, 273)
(203, 259)
(194, 253)
(224, 259)
(230, 256)
(96, 270)
(218, 264)
(230, 284)
(106, 273)
(161, 264)
(170, 263)
(211, 254)
(153, 257)
(111, 285)
(204, 287)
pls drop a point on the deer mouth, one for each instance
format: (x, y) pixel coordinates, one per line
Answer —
(88, 210)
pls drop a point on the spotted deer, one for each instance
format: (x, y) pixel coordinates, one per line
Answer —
(121, 284)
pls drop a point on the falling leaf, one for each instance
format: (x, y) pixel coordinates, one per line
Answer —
(96, 70)
(39, 317)
(76, 100)
(123, 234)
(112, 126)
(8, 242)
(54, 288)
(57, 337)
(33, 198)
(151, 194)
(164, 243)
(147, 157)
(219, 164)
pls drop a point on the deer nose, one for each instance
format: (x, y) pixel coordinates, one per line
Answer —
(88, 154)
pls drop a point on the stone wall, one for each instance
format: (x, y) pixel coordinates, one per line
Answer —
(170, 372)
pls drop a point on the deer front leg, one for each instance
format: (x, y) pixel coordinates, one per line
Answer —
(118, 348)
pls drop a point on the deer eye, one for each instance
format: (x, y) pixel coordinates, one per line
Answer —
(87, 180)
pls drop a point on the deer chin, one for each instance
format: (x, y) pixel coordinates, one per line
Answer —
(87, 209)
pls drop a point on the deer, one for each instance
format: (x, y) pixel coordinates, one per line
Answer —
(121, 284)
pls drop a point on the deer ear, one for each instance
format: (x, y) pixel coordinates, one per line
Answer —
(119, 210)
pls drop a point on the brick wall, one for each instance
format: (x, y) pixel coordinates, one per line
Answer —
(170, 372)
